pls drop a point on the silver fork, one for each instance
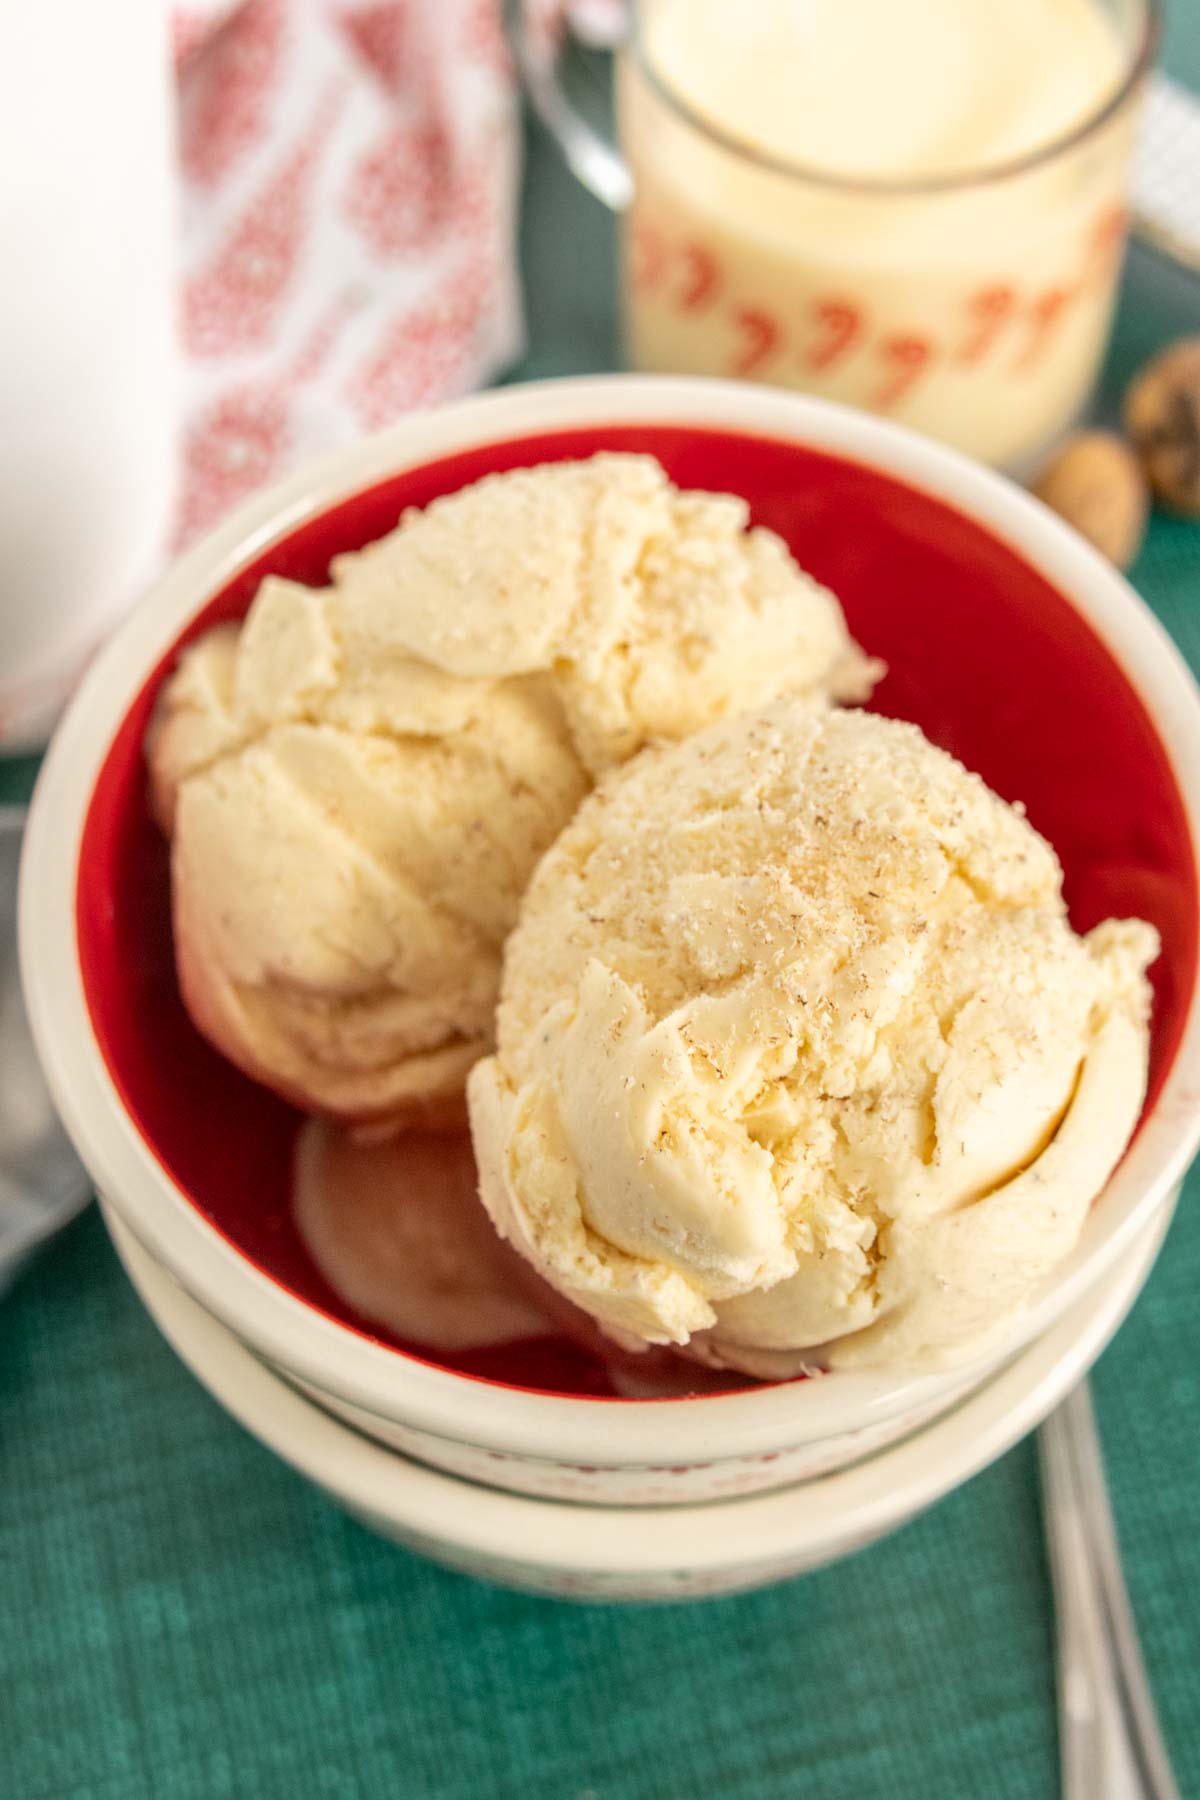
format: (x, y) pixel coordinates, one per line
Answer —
(1110, 1743)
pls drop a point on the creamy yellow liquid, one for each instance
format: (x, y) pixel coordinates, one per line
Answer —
(979, 312)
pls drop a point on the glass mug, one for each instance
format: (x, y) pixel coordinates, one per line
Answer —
(975, 307)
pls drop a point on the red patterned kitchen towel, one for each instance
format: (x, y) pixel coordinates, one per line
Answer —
(349, 186)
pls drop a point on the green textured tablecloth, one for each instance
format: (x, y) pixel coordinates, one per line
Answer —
(182, 1618)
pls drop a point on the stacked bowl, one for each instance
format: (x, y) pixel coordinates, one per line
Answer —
(1007, 639)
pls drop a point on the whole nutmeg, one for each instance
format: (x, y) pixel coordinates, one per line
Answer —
(1162, 416)
(1096, 483)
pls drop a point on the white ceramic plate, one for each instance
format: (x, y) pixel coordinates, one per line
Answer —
(639, 1552)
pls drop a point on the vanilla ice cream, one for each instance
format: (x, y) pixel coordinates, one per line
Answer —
(361, 778)
(799, 1061)
(396, 1229)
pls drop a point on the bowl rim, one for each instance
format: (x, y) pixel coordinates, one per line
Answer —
(377, 1377)
(825, 1516)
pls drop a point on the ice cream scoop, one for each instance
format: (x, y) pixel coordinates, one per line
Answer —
(360, 779)
(396, 1230)
(800, 1062)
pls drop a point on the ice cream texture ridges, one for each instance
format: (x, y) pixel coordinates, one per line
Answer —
(800, 1062)
(360, 779)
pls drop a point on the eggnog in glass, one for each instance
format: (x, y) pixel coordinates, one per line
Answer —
(914, 206)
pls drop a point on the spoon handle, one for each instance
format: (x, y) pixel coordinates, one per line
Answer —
(1111, 1745)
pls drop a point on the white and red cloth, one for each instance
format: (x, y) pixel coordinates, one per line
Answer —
(349, 175)
(349, 188)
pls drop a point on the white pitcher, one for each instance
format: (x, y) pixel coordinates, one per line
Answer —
(88, 348)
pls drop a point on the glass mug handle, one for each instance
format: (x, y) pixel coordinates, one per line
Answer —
(591, 157)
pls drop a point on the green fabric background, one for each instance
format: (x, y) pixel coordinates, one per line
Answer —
(183, 1618)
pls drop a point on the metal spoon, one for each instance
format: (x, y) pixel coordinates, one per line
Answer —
(42, 1182)
(1110, 1743)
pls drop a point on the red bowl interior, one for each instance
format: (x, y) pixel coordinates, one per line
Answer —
(983, 653)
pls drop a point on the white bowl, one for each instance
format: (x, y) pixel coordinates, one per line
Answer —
(619, 1452)
(646, 1553)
